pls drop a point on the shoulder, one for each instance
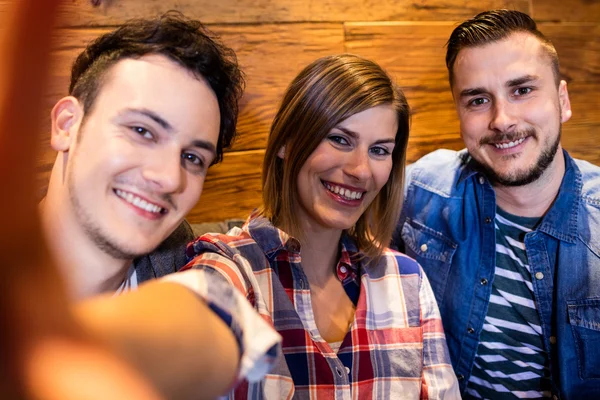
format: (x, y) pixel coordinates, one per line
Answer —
(438, 171)
(393, 261)
(590, 176)
(168, 257)
(228, 244)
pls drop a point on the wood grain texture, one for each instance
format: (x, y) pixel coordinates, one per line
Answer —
(566, 10)
(114, 12)
(232, 189)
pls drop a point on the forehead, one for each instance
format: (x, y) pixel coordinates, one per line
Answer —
(498, 62)
(156, 83)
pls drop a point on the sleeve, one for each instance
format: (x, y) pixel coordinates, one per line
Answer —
(218, 281)
(438, 378)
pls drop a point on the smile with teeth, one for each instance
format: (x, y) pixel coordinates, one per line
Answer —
(139, 202)
(343, 192)
(509, 144)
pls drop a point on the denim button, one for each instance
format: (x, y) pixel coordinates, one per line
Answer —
(488, 220)
(460, 377)
(470, 330)
(424, 247)
(539, 276)
(552, 339)
(483, 281)
(481, 180)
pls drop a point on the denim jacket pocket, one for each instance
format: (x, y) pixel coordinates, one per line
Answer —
(432, 250)
(584, 317)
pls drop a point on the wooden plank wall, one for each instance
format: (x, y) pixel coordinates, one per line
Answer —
(274, 39)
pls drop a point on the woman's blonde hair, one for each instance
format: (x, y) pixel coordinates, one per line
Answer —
(325, 93)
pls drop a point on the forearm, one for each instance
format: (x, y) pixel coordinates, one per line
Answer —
(170, 335)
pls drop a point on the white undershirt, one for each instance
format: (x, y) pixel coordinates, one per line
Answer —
(130, 282)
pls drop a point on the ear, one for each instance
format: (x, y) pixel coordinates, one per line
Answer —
(565, 103)
(281, 152)
(66, 118)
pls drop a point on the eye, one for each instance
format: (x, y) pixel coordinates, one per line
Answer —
(338, 139)
(379, 151)
(192, 160)
(478, 101)
(523, 91)
(143, 132)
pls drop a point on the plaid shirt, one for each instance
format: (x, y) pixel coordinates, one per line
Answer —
(395, 347)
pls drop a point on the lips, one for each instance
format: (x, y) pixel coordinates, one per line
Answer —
(139, 202)
(344, 192)
(508, 145)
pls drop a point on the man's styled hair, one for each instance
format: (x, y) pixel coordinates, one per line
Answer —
(185, 41)
(492, 26)
(325, 93)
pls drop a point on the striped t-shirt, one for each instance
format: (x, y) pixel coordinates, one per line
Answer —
(511, 361)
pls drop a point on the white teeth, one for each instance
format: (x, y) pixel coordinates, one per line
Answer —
(509, 144)
(138, 201)
(346, 193)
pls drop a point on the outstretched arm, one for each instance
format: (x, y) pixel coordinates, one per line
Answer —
(170, 335)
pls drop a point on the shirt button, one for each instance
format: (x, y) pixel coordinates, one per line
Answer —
(488, 220)
(552, 339)
(539, 276)
(343, 269)
(483, 281)
(348, 370)
(470, 330)
(481, 180)
(424, 247)
(460, 377)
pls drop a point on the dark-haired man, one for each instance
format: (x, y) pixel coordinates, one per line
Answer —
(506, 229)
(151, 107)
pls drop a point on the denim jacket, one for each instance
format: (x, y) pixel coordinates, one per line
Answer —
(447, 225)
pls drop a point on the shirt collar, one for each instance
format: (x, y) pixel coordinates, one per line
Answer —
(470, 166)
(272, 240)
(566, 203)
(562, 219)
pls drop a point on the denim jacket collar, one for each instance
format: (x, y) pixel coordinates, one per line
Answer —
(561, 219)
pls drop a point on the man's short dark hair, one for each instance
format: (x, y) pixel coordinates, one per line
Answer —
(182, 40)
(492, 26)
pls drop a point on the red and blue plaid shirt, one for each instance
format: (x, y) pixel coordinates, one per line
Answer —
(395, 347)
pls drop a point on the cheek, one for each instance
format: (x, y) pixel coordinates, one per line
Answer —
(381, 173)
(192, 193)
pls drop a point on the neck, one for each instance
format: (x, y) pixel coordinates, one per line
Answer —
(86, 269)
(319, 253)
(536, 198)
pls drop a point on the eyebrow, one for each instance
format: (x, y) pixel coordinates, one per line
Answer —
(472, 92)
(521, 80)
(356, 135)
(206, 145)
(152, 115)
(511, 83)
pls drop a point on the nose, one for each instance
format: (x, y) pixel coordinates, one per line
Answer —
(503, 117)
(163, 171)
(358, 165)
